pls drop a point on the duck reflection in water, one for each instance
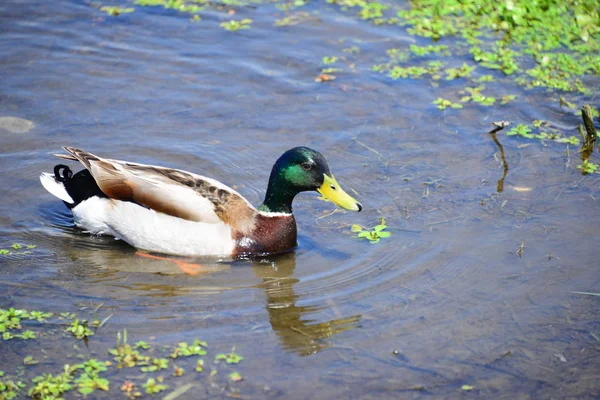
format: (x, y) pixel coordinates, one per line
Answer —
(291, 322)
(296, 332)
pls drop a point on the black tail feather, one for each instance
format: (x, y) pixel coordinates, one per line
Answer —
(66, 173)
(80, 186)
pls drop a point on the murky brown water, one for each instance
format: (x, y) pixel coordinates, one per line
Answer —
(445, 301)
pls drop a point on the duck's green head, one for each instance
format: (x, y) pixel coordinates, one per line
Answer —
(302, 169)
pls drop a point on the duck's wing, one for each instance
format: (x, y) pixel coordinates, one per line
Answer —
(170, 191)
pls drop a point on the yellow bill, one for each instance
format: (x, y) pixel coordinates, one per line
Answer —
(331, 190)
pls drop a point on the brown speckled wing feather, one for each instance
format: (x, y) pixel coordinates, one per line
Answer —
(169, 191)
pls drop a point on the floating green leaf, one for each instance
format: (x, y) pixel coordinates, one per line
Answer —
(230, 358)
(375, 234)
(234, 25)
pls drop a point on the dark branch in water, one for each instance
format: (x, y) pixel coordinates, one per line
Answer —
(588, 134)
(588, 122)
(498, 127)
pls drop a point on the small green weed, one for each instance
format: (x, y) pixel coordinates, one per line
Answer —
(197, 348)
(587, 167)
(330, 60)
(521, 130)
(154, 386)
(230, 358)
(373, 235)
(80, 329)
(234, 25)
(442, 104)
(115, 11)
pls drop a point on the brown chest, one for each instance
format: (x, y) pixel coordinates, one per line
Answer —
(270, 235)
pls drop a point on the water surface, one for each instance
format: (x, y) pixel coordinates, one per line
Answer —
(445, 301)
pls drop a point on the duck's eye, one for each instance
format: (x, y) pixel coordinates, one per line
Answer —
(306, 166)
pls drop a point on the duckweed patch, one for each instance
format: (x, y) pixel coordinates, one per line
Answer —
(11, 319)
(92, 374)
(551, 44)
(17, 248)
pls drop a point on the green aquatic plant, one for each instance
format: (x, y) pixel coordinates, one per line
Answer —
(290, 5)
(50, 387)
(485, 78)
(87, 377)
(430, 49)
(142, 345)
(476, 96)
(522, 32)
(373, 235)
(115, 11)
(372, 10)
(10, 389)
(230, 358)
(90, 379)
(330, 60)
(191, 6)
(521, 130)
(235, 377)
(154, 386)
(25, 335)
(351, 50)
(178, 371)
(405, 72)
(10, 321)
(29, 360)
(156, 364)
(397, 55)
(235, 25)
(507, 98)
(588, 167)
(124, 355)
(463, 71)
(39, 316)
(557, 137)
(80, 329)
(183, 349)
(17, 246)
(442, 104)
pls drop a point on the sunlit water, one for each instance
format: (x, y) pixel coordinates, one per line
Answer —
(445, 301)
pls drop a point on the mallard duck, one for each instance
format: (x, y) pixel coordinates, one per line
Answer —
(170, 211)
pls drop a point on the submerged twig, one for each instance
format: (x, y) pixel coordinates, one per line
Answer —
(444, 221)
(588, 293)
(588, 121)
(369, 148)
(500, 185)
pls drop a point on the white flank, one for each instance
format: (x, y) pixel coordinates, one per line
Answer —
(54, 187)
(149, 230)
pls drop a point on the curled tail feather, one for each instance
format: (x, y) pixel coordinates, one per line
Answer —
(55, 184)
